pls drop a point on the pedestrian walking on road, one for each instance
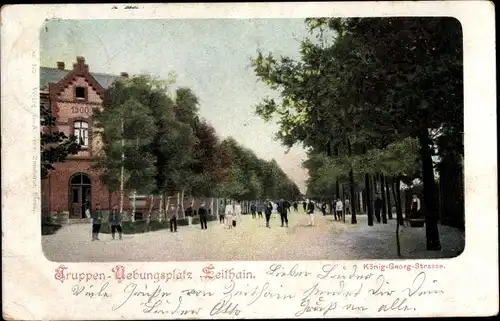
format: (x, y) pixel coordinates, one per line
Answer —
(296, 206)
(323, 208)
(189, 212)
(222, 212)
(415, 207)
(253, 210)
(260, 209)
(202, 212)
(339, 208)
(283, 210)
(310, 212)
(237, 211)
(115, 221)
(228, 213)
(268, 211)
(172, 219)
(97, 218)
(304, 205)
(347, 205)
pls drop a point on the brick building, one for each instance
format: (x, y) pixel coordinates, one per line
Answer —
(72, 95)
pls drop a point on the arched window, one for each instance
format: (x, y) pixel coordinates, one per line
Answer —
(81, 132)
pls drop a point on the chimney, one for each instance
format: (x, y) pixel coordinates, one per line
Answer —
(80, 59)
(60, 65)
(124, 74)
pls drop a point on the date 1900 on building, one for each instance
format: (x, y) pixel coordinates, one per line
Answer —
(81, 110)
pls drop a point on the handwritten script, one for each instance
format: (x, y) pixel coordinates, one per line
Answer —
(292, 290)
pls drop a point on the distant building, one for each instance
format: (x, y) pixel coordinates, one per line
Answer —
(72, 95)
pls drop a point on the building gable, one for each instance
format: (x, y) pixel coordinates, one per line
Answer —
(80, 70)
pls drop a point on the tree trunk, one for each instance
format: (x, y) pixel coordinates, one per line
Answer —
(399, 211)
(384, 205)
(132, 216)
(429, 206)
(363, 199)
(398, 243)
(178, 207)
(160, 209)
(167, 206)
(151, 204)
(373, 195)
(362, 208)
(183, 213)
(388, 197)
(451, 191)
(122, 170)
(368, 201)
(353, 198)
(397, 200)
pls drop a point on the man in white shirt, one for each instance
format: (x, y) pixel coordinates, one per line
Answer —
(339, 208)
(347, 206)
(228, 215)
(237, 211)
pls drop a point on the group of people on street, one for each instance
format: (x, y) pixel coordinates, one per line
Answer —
(338, 209)
(257, 209)
(190, 212)
(231, 215)
(282, 207)
(114, 221)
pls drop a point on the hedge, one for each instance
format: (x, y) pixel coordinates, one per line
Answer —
(138, 227)
(50, 225)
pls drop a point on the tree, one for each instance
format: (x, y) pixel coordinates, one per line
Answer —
(379, 81)
(55, 146)
(126, 132)
(211, 162)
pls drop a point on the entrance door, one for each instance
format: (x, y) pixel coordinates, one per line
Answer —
(80, 198)
(76, 201)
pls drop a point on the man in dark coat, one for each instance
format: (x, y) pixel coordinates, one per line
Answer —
(202, 212)
(253, 209)
(172, 218)
(267, 211)
(97, 217)
(323, 208)
(115, 221)
(283, 210)
(261, 208)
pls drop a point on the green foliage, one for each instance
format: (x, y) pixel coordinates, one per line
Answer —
(168, 147)
(127, 128)
(362, 89)
(253, 178)
(55, 146)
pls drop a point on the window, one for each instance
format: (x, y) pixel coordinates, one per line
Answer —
(81, 132)
(80, 93)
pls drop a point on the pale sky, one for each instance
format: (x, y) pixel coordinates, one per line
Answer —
(211, 56)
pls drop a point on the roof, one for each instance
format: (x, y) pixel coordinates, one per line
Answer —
(54, 75)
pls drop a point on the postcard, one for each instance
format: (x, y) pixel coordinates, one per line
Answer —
(249, 160)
